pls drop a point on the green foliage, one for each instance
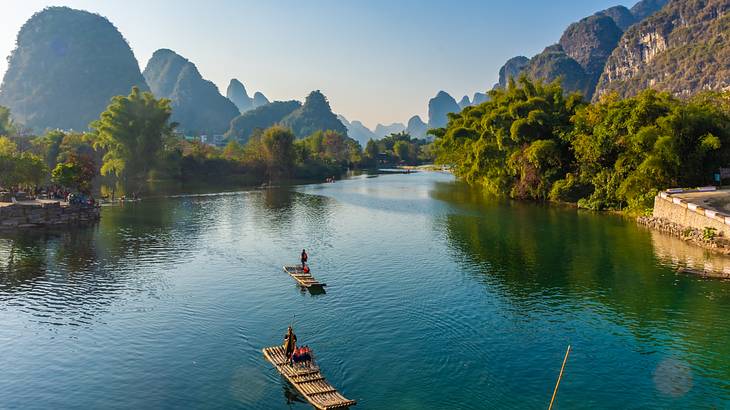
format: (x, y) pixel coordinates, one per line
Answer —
(77, 172)
(19, 169)
(278, 152)
(234, 150)
(709, 233)
(400, 149)
(7, 146)
(57, 146)
(516, 143)
(131, 131)
(629, 149)
(371, 149)
(329, 146)
(65, 174)
(529, 141)
(243, 126)
(7, 128)
(396, 148)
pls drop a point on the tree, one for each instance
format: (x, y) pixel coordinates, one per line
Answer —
(50, 145)
(401, 150)
(516, 143)
(532, 141)
(7, 146)
(132, 132)
(7, 128)
(278, 148)
(77, 172)
(628, 149)
(19, 168)
(233, 150)
(332, 146)
(372, 150)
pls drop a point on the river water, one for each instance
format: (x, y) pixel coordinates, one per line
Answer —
(438, 298)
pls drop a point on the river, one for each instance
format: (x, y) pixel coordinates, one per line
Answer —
(438, 298)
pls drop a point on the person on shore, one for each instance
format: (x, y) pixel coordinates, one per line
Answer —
(290, 344)
(304, 258)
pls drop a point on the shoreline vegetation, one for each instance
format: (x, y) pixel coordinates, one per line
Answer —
(134, 147)
(532, 141)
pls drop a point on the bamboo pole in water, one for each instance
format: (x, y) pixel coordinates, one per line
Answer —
(560, 376)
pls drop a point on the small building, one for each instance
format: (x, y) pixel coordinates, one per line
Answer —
(217, 140)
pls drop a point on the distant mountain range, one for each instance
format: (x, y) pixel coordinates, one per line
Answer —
(66, 67)
(679, 46)
(69, 63)
(579, 59)
(684, 48)
(438, 108)
(303, 119)
(236, 92)
(196, 103)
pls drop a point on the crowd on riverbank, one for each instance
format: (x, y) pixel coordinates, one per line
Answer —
(52, 192)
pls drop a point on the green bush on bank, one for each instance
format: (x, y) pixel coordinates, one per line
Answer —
(532, 141)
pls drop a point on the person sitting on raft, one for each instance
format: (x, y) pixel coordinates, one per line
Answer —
(296, 357)
(290, 343)
(307, 356)
(304, 258)
(302, 355)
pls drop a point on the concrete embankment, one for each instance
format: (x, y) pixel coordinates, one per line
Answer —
(676, 214)
(38, 214)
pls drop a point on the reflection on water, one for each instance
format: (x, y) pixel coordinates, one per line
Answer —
(549, 260)
(438, 297)
(689, 258)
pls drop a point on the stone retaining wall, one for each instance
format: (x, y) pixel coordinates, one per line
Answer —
(690, 215)
(719, 244)
(17, 216)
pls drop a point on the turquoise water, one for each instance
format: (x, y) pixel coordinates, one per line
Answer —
(438, 298)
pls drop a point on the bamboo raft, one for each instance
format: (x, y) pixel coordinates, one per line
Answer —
(308, 381)
(305, 280)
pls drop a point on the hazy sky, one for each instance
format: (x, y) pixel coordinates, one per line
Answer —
(376, 60)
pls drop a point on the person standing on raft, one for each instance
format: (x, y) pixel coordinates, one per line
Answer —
(304, 258)
(290, 343)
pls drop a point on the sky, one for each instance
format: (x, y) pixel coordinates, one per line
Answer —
(377, 61)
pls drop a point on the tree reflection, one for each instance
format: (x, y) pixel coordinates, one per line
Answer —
(566, 256)
(22, 260)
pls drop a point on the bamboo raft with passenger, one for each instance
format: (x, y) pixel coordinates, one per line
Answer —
(305, 376)
(304, 278)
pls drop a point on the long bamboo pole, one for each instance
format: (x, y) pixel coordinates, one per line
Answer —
(560, 376)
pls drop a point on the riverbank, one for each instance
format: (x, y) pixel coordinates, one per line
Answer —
(44, 214)
(695, 216)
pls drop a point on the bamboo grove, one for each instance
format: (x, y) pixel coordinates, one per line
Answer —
(532, 141)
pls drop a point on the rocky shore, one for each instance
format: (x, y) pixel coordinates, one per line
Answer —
(39, 214)
(707, 239)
